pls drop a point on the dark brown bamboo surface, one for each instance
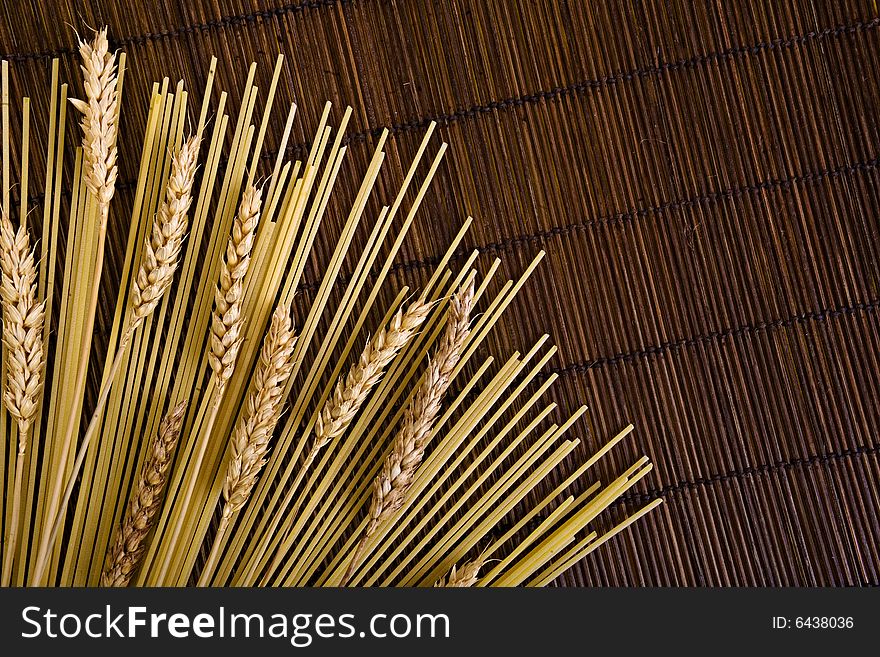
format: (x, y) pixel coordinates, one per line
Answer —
(705, 178)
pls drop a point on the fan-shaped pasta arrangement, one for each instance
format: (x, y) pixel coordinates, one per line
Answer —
(237, 439)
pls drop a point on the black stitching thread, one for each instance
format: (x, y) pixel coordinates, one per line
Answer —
(583, 86)
(732, 193)
(721, 335)
(616, 219)
(578, 88)
(626, 217)
(219, 23)
(769, 468)
(610, 80)
(497, 105)
(552, 94)
(687, 485)
(735, 475)
(267, 14)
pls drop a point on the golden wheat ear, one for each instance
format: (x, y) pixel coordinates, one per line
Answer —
(352, 391)
(464, 577)
(22, 323)
(226, 320)
(409, 444)
(162, 249)
(408, 448)
(159, 262)
(250, 439)
(100, 114)
(130, 540)
(23, 318)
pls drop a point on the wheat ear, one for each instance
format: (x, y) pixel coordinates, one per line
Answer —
(100, 115)
(129, 542)
(408, 447)
(158, 263)
(23, 336)
(250, 439)
(463, 577)
(99, 118)
(162, 247)
(225, 340)
(226, 320)
(352, 390)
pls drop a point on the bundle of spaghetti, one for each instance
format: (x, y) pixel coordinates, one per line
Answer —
(396, 449)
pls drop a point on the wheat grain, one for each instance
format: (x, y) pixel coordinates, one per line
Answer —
(463, 577)
(250, 440)
(154, 276)
(22, 325)
(23, 336)
(408, 448)
(351, 391)
(129, 542)
(99, 118)
(226, 321)
(162, 247)
(409, 444)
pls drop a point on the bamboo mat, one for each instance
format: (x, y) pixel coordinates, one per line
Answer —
(705, 179)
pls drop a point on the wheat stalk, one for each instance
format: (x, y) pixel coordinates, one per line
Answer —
(225, 333)
(159, 261)
(463, 577)
(250, 439)
(408, 447)
(99, 124)
(23, 336)
(129, 542)
(352, 390)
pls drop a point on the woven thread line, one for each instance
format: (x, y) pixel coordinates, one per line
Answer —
(219, 23)
(578, 88)
(617, 219)
(687, 485)
(555, 93)
(583, 86)
(552, 94)
(225, 22)
(736, 475)
(628, 216)
(803, 463)
(680, 343)
(715, 336)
